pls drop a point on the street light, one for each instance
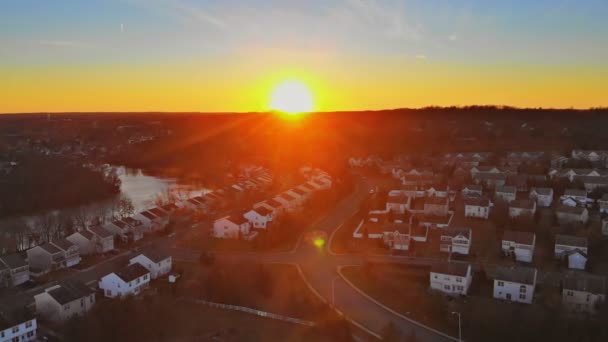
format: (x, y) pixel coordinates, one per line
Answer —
(459, 326)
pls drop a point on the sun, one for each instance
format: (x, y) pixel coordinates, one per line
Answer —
(292, 97)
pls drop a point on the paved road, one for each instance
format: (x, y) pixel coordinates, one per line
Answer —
(320, 269)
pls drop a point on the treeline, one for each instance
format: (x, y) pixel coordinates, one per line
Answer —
(40, 183)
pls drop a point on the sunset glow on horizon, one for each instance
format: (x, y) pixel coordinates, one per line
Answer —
(185, 55)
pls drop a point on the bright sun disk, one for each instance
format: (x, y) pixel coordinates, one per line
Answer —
(292, 97)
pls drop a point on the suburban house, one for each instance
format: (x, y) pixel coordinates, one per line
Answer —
(130, 280)
(70, 251)
(491, 180)
(437, 191)
(162, 217)
(567, 243)
(290, 203)
(272, 205)
(596, 157)
(136, 231)
(522, 208)
(519, 244)
(583, 292)
(591, 183)
(571, 215)
(542, 196)
(193, 204)
(451, 278)
(299, 194)
(259, 218)
(85, 240)
(472, 190)
(603, 204)
(397, 239)
(505, 193)
(103, 240)
(157, 264)
(14, 270)
(437, 206)
(150, 221)
(398, 203)
(515, 283)
(576, 196)
(477, 207)
(232, 227)
(17, 326)
(61, 302)
(121, 230)
(48, 257)
(456, 240)
(577, 259)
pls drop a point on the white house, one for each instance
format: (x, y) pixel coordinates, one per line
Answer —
(85, 240)
(515, 283)
(135, 231)
(522, 208)
(567, 243)
(505, 193)
(61, 302)
(17, 326)
(577, 259)
(130, 280)
(156, 263)
(577, 196)
(46, 258)
(519, 244)
(472, 190)
(16, 270)
(477, 208)
(103, 240)
(593, 182)
(583, 292)
(70, 251)
(542, 196)
(398, 203)
(571, 215)
(456, 240)
(603, 204)
(232, 227)
(259, 218)
(451, 278)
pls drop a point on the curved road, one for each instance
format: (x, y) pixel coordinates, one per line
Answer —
(319, 268)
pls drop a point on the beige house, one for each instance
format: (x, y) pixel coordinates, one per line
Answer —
(63, 301)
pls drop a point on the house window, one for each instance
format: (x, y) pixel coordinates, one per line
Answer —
(500, 283)
(458, 280)
(146, 277)
(588, 297)
(82, 302)
(436, 277)
(15, 329)
(109, 293)
(28, 324)
(522, 296)
(447, 287)
(570, 293)
(66, 307)
(522, 289)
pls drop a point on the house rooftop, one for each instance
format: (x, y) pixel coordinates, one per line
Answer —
(584, 282)
(154, 255)
(472, 187)
(237, 219)
(263, 211)
(516, 274)
(287, 197)
(435, 200)
(132, 272)
(565, 209)
(298, 191)
(131, 221)
(100, 231)
(50, 248)
(119, 224)
(526, 238)
(575, 193)
(523, 204)
(543, 191)
(507, 189)
(453, 232)
(13, 318)
(479, 202)
(570, 240)
(86, 234)
(169, 207)
(14, 260)
(274, 203)
(455, 269)
(147, 214)
(62, 244)
(158, 212)
(69, 291)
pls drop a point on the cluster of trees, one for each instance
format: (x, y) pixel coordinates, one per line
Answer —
(40, 183)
